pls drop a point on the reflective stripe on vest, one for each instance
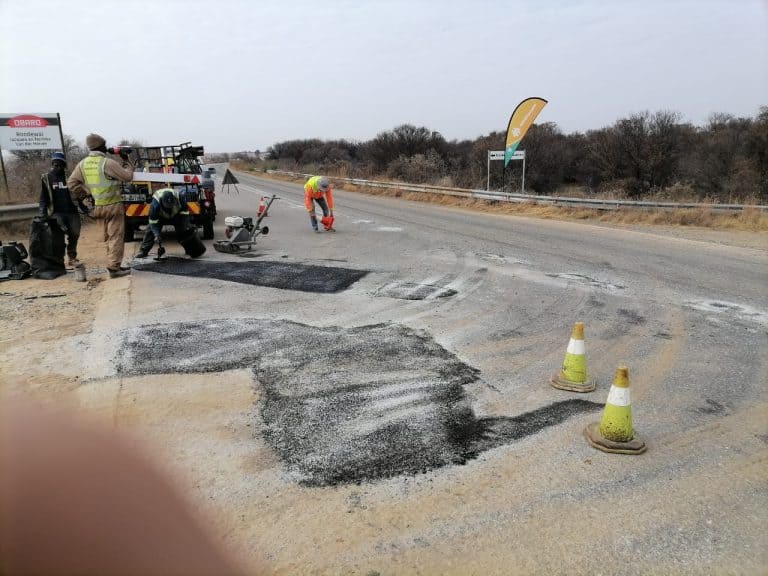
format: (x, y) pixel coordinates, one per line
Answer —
(47, 185)
(104, 192)
(165, 215)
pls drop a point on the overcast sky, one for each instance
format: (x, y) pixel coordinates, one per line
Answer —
(241, 75)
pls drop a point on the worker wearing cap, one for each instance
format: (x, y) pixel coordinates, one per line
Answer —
(167, 208)
(318, 189)
(56, 202)
(99, 177)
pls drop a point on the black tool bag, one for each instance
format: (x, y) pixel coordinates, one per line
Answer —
(192, 244)
(46, 248)
(13, 265)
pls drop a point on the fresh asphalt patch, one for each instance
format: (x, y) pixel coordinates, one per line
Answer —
(283, 275)
(343, 405)
(414, 291)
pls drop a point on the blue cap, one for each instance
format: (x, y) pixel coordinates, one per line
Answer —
(58, 156)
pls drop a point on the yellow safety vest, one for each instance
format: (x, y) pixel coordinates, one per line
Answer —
(105, 192)
(311, 186)
(177, 209)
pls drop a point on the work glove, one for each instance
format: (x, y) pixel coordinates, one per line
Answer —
(330, 212)
(61, 223)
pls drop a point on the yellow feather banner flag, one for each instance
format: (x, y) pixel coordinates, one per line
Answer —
(519, 122)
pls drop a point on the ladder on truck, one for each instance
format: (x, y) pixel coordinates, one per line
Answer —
(175, 159)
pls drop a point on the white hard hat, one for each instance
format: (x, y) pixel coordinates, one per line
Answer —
(323, 184)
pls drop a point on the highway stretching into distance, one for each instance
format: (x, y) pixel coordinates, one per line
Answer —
(376, 400)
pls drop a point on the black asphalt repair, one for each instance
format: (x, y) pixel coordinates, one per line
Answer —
(283, 275)
(344, 405)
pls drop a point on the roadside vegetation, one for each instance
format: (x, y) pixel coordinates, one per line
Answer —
(749, 220)
(646, 156)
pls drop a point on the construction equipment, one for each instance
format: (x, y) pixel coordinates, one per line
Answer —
(162, 166)
(241, 232)
(208, 187)
(13, 264)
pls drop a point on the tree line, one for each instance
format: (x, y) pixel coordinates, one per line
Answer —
(644, 155)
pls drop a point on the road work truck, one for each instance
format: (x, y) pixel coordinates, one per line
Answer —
(158, 167)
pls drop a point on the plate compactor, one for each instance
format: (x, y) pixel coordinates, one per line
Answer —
(241, 232)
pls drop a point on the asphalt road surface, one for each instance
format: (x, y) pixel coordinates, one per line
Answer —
(375, 400)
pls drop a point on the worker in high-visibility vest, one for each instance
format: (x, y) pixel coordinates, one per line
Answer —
(318, 189)
(56, 202)
(98, 177)
(167, 208)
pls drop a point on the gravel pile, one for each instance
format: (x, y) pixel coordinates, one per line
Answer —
(343, 405)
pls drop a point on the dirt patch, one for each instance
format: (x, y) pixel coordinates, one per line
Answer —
(36, 315)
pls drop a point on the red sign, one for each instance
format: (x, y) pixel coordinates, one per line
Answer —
(27, 121)
(30, 131)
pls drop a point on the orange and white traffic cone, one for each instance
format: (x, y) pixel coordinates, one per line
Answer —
(262, 208)
(614, 432)
(573, 376)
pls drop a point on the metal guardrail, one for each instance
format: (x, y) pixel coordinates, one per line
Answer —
(595, 203)
(18, 212)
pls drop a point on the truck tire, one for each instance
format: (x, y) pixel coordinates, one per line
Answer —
(208, 229)
(128, 234)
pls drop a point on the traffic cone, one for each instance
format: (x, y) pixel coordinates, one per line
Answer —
(614, 432)
(262, 208)
(573, 376)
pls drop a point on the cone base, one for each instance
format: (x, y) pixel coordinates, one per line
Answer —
(558, 381)
(597, 440)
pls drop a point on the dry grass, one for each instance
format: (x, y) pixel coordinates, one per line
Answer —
(750, 220)
(18, 231)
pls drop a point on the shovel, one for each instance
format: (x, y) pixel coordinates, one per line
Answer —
(160, 252)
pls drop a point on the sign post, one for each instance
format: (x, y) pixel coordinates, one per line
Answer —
(230, 178)
(5, 175)
(499, 155)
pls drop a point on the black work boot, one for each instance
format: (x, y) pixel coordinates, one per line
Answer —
(118, 273)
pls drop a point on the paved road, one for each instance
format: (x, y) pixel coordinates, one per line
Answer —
(375, 400)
